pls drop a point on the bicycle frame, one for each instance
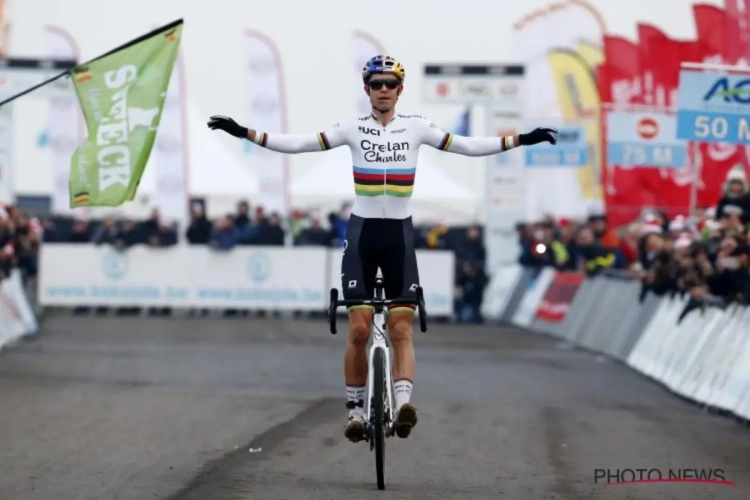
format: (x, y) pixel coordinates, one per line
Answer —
(380, 341)
(378, 333)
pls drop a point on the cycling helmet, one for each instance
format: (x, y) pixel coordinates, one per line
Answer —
(380, 65)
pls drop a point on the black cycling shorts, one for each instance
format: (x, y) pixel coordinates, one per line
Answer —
(387, 244)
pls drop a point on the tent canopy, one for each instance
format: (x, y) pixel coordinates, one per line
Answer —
(332, 177)
(329, 183)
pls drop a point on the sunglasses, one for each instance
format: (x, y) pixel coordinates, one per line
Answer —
(389, 84)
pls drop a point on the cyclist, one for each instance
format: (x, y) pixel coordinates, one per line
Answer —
(384, 147)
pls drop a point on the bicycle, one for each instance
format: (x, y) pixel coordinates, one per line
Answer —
(379, 399)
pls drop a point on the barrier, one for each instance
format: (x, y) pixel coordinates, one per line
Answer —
(536, 287)
(698, 353)
(275, 278)
(500, 291)
(16, 316)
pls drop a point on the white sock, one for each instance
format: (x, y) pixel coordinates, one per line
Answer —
(355, 394)
(402, 389)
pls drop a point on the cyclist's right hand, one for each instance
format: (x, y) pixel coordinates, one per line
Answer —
(227, 125)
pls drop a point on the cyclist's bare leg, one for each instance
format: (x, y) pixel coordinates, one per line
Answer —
(404, 368)
(355, 369)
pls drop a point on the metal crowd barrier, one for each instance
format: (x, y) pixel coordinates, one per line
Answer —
(702, 354)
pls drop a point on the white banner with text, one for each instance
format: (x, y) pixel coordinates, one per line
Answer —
(276, 278)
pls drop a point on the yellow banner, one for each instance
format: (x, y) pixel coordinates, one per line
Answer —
(591, 53)
(580, 104)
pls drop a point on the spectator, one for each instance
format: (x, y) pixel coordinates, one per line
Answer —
(225, 235)
(594, 256)
(255, 231)
(199, 230)
(150, 227)
(472, 248)
(436, 237)
(166, 236)
(314, 234)
(81, 232)
(129, 235)
(567, 236)
(603, 233)
(242, 219)
(107, 232)
(470, 293)
(735, 199)
(273, 233)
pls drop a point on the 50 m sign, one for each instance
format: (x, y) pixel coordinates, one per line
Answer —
(713, 108)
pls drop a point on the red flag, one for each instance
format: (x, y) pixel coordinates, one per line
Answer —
(619, 80)
(660, 66)
(737, 31)
(713, 46)
(711, 24)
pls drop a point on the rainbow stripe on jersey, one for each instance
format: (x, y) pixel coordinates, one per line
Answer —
(378, 182)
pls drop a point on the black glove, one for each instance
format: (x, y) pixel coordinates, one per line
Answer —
(228, 125)
(539, 134)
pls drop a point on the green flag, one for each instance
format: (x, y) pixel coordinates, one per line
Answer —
(122, 95)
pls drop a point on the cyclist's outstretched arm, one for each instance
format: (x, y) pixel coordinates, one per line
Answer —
(483, 146)
(284, 143)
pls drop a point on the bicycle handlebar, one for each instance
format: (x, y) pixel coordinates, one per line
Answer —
(378, 303)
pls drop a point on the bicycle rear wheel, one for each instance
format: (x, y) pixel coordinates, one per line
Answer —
(378, 406)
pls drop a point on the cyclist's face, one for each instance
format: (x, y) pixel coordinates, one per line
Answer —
(383, 91)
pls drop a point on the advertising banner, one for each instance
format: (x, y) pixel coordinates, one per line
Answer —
(714, 107)
(638, 139)
(559, 296)
(571, 150)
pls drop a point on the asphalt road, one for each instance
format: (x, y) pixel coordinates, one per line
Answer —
(97, 408)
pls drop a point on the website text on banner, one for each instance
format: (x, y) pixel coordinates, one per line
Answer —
(714, 107)
(436, 276)
(644, 139)
(259, 277)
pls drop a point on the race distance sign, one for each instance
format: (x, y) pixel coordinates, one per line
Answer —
(644, 139)
(713, 107)
(473, 83)
(499, 90)
(570, 151)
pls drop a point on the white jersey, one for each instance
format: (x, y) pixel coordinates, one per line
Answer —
(384, 157)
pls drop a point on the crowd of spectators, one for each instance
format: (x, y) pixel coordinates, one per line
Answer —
(705, 256)
(253, 226)
(19, 244)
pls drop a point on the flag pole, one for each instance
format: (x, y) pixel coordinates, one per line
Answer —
(135, 41)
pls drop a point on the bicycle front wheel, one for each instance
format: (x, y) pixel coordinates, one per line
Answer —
(378, 406)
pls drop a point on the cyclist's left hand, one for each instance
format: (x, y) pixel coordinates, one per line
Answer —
(227, 125)
(539, 134)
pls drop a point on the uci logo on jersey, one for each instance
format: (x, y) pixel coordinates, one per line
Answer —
(369, 131)
(737, 91)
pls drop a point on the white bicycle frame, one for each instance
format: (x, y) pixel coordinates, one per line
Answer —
(380, 341)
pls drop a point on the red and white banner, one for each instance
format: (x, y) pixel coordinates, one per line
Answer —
(559, 297)
(647, 74)
(619, 81)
